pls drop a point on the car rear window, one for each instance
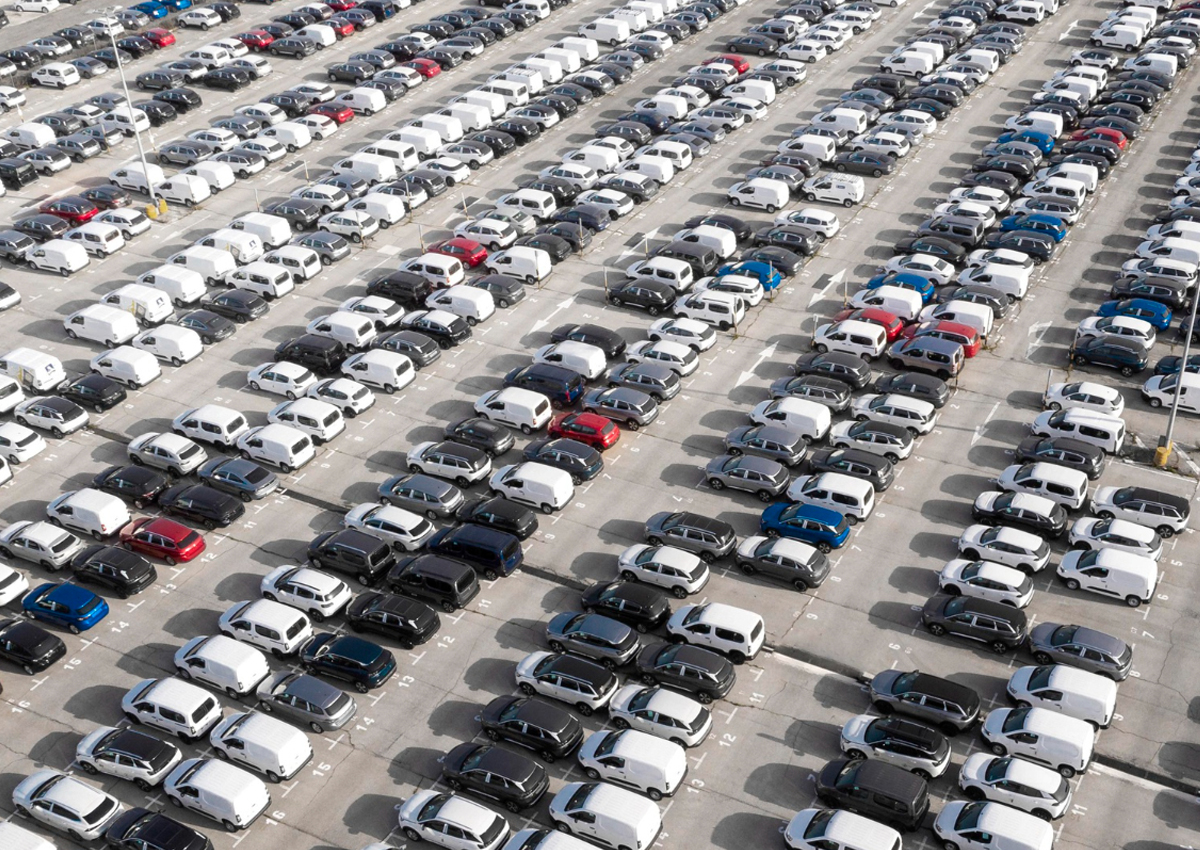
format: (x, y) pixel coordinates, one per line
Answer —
(203, 709)
(295, 628)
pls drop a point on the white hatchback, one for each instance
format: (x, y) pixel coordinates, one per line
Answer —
(676, 570)
(316, 593)
(402, 529)
(282, 378)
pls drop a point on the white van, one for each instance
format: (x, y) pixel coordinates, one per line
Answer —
(987, 825)
(222, 663)
(760, 90)
(57, 255)
(545, 487)
(846, 830)
(172, 705)
(1110, 572)
(218, 175)
(212, 264)
(821, 147)
(513, 93)
(569, 60)
(370, 167)
(978, 316)
(981, 58)
(522, 262)
(852, 336)
(901, 302)
(13, 837)
(472, 304)
(272, 230)
(1083, 173)
(1064, 743)
(291, 134)
(301, 263)
(596, 157)
(132, 177)
(148, 304)
(185, 189)
(674, 108)
(171, 343)
(127, 365)
(586, 49)
(322, 36)
(636, 759)
(242, 246)
(35, 371)
(606, 815)
(1159, 391)
(719, 239)
(551, 71)
(1097, 429)
(515, 407)
(844, 189)
(387, 370)
(424, 141)
(266, 280)
(759, 192)
(679, 154)
(262, 743)
(493, 103)
(908, 63)
(353, 330)
(580, 357)
(655, 167)
(852, 497)
(29, 136)
(125, 120)
(842, 119)
(1170, 248)
(1084, 87)
(608, 30)
(1056, 188)
(1076, 693)
(211, 423)
(279, 445)
(438, 269)
(227, 794)
(492, 232)
(448, 128)
(637, 20)
(362, 100)
(386, 209)
(653, 12)
(402, 155)
(102, 323)
(271, 626)
(1060, 484)
(1040, 122)
(89, 511)
(810, 419)
(1013, 281)
(1157, 63)
(930, 48)
(531, 79)
(541, 205)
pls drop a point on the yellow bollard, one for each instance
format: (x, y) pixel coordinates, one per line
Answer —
(1162, 455)
(151, 211)
(162, 206)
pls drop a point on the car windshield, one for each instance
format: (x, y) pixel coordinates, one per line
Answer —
(819, 823)
(431, 808)
(1015, 720)
(969, 817)
(694, 615)
(1040, 677)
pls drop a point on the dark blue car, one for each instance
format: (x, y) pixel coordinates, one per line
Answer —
(68, 605)
(814, 525)
(1051, 225)
(1156, 314)
(1042, 141)
(764, 273)
(906, 280)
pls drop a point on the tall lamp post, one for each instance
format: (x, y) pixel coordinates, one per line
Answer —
(111, 12)
(1163, 453)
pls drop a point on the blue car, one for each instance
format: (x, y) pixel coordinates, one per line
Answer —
(1042, 141)
(814, 525)
(764, 273)
(177, 5)
(1051, 225)
(907, 280)
(151, 9)
(1156, 314)
(69, 605)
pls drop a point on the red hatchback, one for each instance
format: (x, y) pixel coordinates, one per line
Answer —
(890, 322)
(73, 208)
(255, 39)
(1108, 134)
(160, 37)
(734, 59)
(427, 68)
(964, 335)
(597, 431)
(332, 111)
(341, 5)
(467, 251)
(162, 538)
(341, 28)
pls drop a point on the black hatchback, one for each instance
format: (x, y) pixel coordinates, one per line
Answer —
(114, 568)
(610, 342)
(579, 460)
(699, 672)
(235, 304)
(509, 778)
(639, 605)
(138, 485)
(30, 647)
(928, 388)
(875, 789)
(94, 391)
(201, 503)
(500, 514)
(835, 364)
(1062, 451)
(649, 295)
(406, 621)
(546, 729)
(142, 829)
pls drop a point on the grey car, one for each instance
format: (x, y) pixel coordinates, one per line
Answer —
(879, 471)
(632, 408)
(184, 153)
(761, 476)
(329, 246)
(422, 494)
(593, 636)
(789, 561)
(830, 392)
(306, 699)
(654, 379)
(1079, 646)
(709, 538)
(1002, 627)
(767, 441)
(948, 705)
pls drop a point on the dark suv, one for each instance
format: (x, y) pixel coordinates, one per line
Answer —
(1000, 626)
(709, 538)
(880, 791)
(698, 672)
(318, 353)
(506, 777)
(444, 581)
(950, 706)
(351, 551)
(548, 730)
(492, 553)
(562, 386)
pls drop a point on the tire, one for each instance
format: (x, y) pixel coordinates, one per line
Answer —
(1072, 584)
(411, 834)
(936, 629)
(1133, 601)
(1000, 647)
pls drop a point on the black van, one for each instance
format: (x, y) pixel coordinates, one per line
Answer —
(319, 353)
(490, 551)
(704, 261)
(351, 551)
(449, 583)
(15, 173)
(877, 790)
(562, 386)
(407, 288)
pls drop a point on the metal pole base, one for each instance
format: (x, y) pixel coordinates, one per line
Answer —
(1162, 454)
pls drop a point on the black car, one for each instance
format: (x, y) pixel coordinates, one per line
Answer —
(182, 99)
(924, 387)
(296, 20)
(561, 385)
(201, 503)
(509, 778)
(548, 730)
(80, 37)
(236, 304)
(403, 620)
(610, 342)
(1172, 364)
(139, 485)
(835, 364)
(740, 228)
(793, 237)
(759, 45)
(864, 162)
(1038, 246)
(649, 295)
(157, 112)
(1128, 358)
(522, 130)
(638, 191)
(875, 789)
(210, 326)
(293, 104)
(95, 392)
(318, 353)
(1063, 451)
(142, 829)
(500, 143)
(580, 460)
(501, 514)
(352, 72)
(301, 213)
(1007, 508)
(1018, 166)
(558, 249)
(113, 568)
(630, 131)
(978, 293)
(417, 347)
(362, 663)
(238, 477)
(995, 179)
(935, 245)
(879, 471)
(704, 675)
(42, 226)
(294, 47)
(226, 79)
(30, 647)
(227, 11)
(617, 73)
(575, 235)
(158, 79)
(480, 434)
(638, 605)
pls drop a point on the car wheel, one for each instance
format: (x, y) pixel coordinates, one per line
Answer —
(1000, 647)
(936, 629)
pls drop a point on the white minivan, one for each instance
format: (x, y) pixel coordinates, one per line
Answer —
(89, 511)
(222, 663)
(102, 323)
(227, 794)
(1110, 572)
(262, 743)
(606, 815)
(636, 759)
(544, 487)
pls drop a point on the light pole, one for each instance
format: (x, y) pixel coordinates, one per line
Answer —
(1163, 453)
(111, 12)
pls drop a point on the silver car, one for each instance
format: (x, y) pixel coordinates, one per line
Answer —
(305, 699)
(423, 494)
(758, 475)
(593, 636)
(654, 379)
(632, 408)
(767, 441)
(1079, 646)
(896, 740)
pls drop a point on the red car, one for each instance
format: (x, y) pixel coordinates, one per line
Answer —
(890, 322)
(1108, 134)
(733, 59)
(162, 538)
(595, 430)
(467, 251)
(964, 335)
(427, 68)
(342, 28)
(255, 39)
(160, 37)
(341, 5)
(73, 208)
(332, 111)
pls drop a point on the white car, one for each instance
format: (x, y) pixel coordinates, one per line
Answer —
(169, 452)
(219, 138)
(746, 288)
(824, 224)
(690, 332)
(1093, 533)
(350, 397)
(451, 821)
(678, 357)
(672, 569)
(51, 413)
(924, 265)
(731, 631)
(320, 420)
(911, 120)
(985, 825)
(660, 712)
(1133, 330)
(1017, 783)
(908, 744)
(966, 209)
(37, 6)
(1008, 546)
(617, 203)
(66, 804)
(402, 529)
(996, 199)
(282, 378)
(384, 312)
(232, 46)
(1085, 395)
(1164, 512)
(19, 444)
(40, 543)
(13, 584)
(127, 754)
(986, 580)
(317, 594)
(355, 225)
(451, 170)
(199, 17)
(918, 416)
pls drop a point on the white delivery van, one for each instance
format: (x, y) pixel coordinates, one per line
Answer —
(218, 175)
(244, 247)
(127, 365)
(523, 262)
(213, 264)
(821, 147)
(545, 487)
(908, 63)
(222, 663)
(599, 159)
(278, 445)
(844, 189)
(569, 60)
(29, 136)
(904, 303)
(386, 209)
(606, 30)
(1013, 281)
(272, 230)
(472, 304)
(759, 192)
(810, 419)
(362, 101)
(424, 141)
(586, 49)
(125, 120)
(35, 371)
(148, 304)
(471, 116)
(448, 128)
(172, 343)
(515, 407)
(1081, 172)
(1038, 121)
(57, 255)
(607, 815)
(353, 330)
(402, 154)
(14, 837)
(132, 177)
(1110, 572)
(550, 70)
(637, 20)
(1157, 63)
(185, 189)
(227, 794)
(102, 323)
(636, 759)
(369, 167)
(266, 280)
(291, 134)
(262, 743)
(511, 92)
(89, 511)
(387, 370)
(490, 101)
